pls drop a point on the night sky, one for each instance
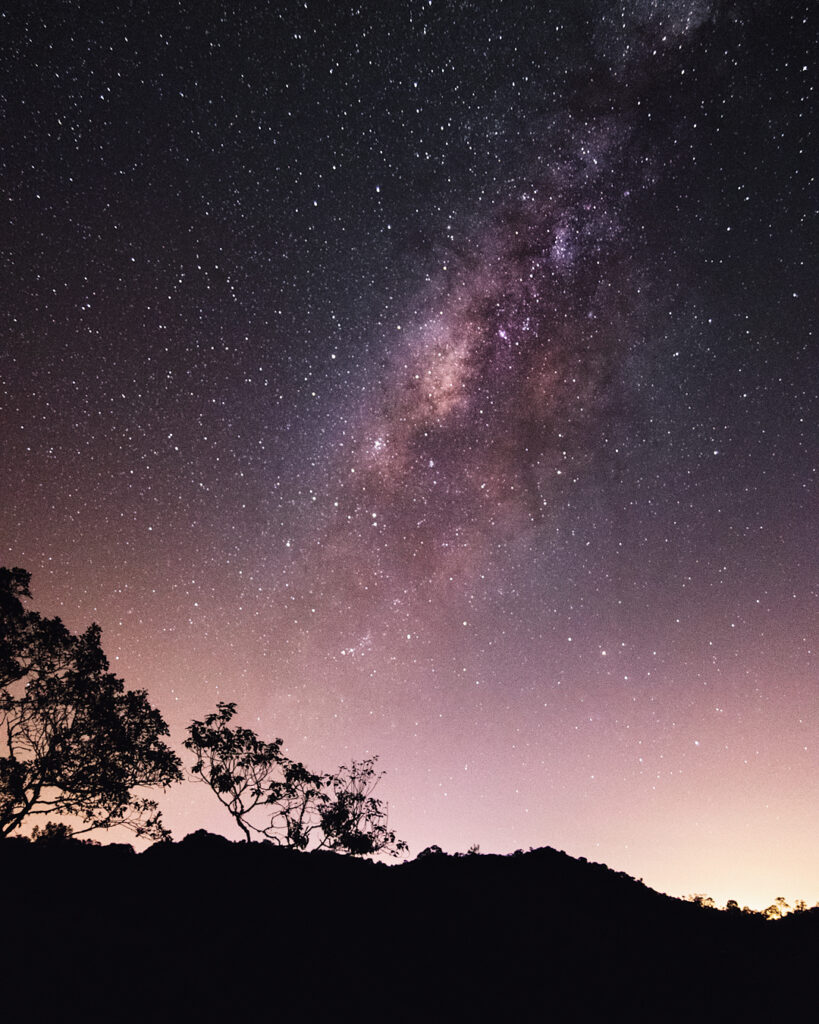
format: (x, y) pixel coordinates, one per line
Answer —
(437, 381)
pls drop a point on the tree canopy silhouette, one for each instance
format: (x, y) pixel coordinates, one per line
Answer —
(73, 740)
(274, 797)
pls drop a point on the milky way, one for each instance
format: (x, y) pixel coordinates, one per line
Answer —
(436, 381)
(509, 380)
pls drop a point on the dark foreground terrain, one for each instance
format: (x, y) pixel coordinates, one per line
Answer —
(208, 930)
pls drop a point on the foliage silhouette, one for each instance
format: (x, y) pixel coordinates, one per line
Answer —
(779, 908)
(73, 740)
(431, 851)
(353, 821)
(270, 795)
(702, 900)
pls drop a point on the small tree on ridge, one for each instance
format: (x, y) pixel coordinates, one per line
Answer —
(276, 798)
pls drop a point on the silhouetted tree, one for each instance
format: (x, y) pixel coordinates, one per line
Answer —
(73, 740)
(701, 900)
(272, 796)
(779, 908)
(54, 832)
(247, 773)
(354, 821)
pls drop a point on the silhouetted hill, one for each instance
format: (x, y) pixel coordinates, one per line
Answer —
(208, 930)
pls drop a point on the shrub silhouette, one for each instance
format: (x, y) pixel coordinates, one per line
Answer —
(276, 798)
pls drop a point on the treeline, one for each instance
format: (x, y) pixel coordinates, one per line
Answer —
(77, 750)
(779, 908)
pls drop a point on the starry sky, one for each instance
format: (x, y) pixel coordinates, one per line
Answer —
(436, 381)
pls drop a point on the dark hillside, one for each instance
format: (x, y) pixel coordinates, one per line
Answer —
(208, 930)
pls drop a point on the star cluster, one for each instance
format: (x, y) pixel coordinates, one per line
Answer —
(438, 382)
